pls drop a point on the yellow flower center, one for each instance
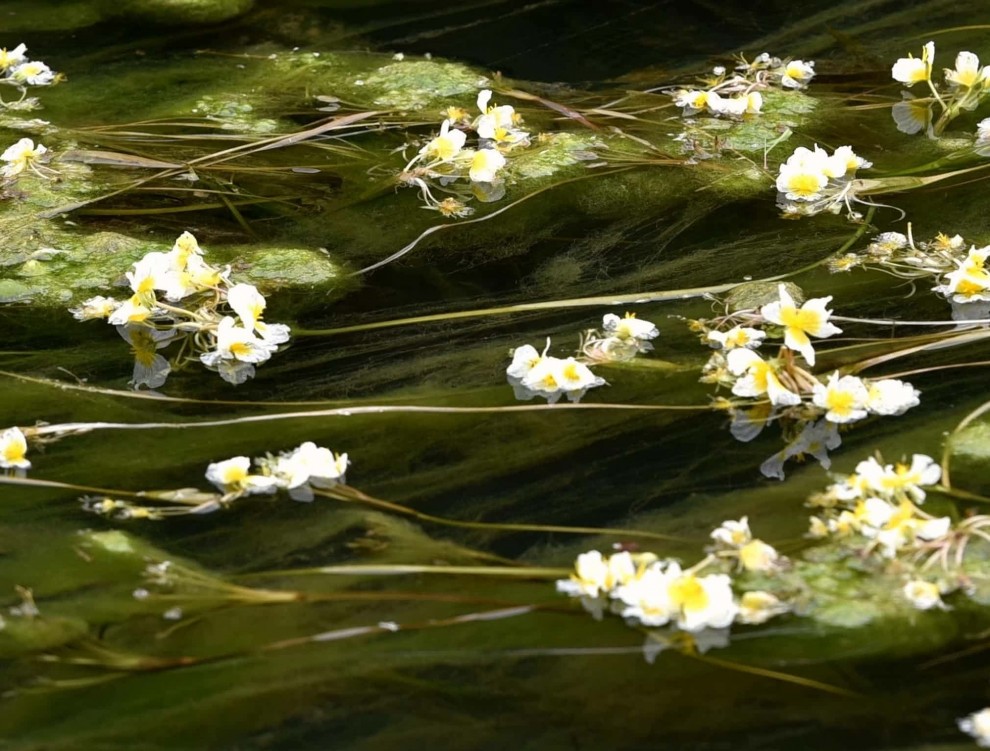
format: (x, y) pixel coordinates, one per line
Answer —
(571, 372)
(803, 320)
(839, 402)
(804, 184)
(688, 594)
(738, 339)
(14, 452)
(443, 148)
(234, 475)
(967, 287)
(240, 349)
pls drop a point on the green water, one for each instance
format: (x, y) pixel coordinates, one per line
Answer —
(471, 662)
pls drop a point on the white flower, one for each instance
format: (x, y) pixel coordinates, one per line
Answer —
(504, 116)
(970, 282)
(923, 595)
(757, 555)
(733, 534)
(629, 327)
(978, 726)
(692, 100)
(734, 106)
(911, 70)
(10, 58)
(759, 607)
(801, 182)
(152, 272)
(737, 336)
(844, 160)
(759, 377)
(247, 303)
(873, 512)
(815, 439)
(150, 368)
(647, 597)
(890, 479)
(233, 476)
(890, 396)
(983, 131)
(573, 376)
(485, 165)
(446, 145)
(702, 601)
(13, 448)
(183, 249)
(967, 72)
(912, 115)
(95, 307)
(797, 74)
(844, 398)
(888, 241)
(309, 465)
(810, 319)
(590, 577)
(33, 73)
(524, 359)
(237, 343)
(21, 156)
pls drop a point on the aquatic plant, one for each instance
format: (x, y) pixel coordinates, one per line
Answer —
(17, 70)
(966, 86)
(192, 308)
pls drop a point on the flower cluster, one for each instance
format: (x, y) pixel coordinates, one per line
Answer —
(620, 339)
(178, 296)
(880, 503)
(736, 93)
(784, 388)
(443, 164)
(299, 472)
(958, 268)
(653, 592)
(532, 373)
(18, 71)
(966, 85)
(13, 451)
(812, 181)
(875, 514)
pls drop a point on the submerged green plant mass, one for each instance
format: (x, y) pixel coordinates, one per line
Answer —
(569, 344)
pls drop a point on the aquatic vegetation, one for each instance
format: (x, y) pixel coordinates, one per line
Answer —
(443, 160)
(227, 345)
(785, 391)
(956, 267)
(288, 161)
(651, 592)
(966, 86)
(737, 92)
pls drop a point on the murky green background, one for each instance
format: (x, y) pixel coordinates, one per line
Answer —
(101, 669)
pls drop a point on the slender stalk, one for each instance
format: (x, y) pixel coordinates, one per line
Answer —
(347, 493)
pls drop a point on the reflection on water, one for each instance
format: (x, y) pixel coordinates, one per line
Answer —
(416, 603)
